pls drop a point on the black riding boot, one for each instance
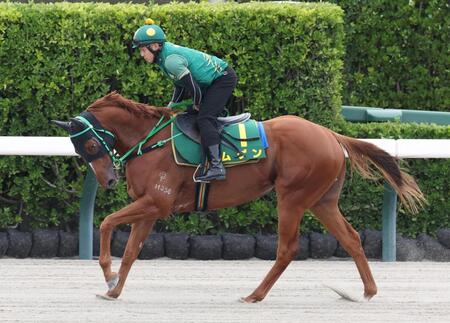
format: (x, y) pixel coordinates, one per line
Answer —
(216, 170)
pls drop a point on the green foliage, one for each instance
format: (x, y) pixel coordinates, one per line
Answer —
(396, 53)
(56, 59)
(259, 216)
(393, 130)
(192, 223)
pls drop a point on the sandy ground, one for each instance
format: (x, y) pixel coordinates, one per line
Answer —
(165, 290)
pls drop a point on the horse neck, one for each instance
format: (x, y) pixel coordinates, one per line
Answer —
(128, 128)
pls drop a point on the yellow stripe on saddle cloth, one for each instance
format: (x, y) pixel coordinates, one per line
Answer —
(241, 143)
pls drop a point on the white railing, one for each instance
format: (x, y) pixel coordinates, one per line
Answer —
(414, 148)
(61, 146)
(36, 146)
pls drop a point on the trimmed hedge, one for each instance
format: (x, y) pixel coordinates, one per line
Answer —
(288, 57)
(56, 59)
(396, 53)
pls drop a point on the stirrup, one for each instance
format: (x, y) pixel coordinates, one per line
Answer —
(194, 176)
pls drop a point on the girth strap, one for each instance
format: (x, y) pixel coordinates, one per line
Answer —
(201, 196)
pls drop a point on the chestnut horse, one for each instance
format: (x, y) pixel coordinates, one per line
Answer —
(305, 164)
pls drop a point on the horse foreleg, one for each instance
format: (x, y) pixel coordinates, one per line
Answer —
(139, 233)
(129, 214)
(289, 218)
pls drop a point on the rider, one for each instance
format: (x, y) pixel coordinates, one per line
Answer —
(209, 80)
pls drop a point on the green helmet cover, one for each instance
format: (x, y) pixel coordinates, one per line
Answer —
(148, 34)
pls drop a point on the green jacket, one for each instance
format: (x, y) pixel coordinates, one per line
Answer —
(177, 61)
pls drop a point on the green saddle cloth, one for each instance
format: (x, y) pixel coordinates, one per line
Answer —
(188, 152)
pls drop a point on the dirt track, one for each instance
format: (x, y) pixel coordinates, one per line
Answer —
(164, 290)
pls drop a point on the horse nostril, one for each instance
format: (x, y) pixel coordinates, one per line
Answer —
(112, 183)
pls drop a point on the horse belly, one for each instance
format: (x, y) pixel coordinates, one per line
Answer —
(243, 184)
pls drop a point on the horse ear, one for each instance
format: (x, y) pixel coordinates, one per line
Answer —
(62, 124)
(76, 124)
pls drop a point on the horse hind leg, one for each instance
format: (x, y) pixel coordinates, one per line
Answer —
(327, 211)
(289, 218)
(349, 239)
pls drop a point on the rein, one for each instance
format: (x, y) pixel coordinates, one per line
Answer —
(120, 161)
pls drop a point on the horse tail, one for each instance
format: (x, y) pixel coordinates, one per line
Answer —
(367, 158)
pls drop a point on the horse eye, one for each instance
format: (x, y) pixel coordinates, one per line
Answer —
(92, 147)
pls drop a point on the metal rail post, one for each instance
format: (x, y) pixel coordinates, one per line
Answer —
(90, 186)
(389, 252)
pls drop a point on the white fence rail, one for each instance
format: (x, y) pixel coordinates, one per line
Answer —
(36, 146)
(414, 148)
(61, 146)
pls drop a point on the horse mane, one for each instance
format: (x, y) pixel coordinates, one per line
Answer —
(135, 108)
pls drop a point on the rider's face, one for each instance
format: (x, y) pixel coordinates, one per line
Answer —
(147, 54)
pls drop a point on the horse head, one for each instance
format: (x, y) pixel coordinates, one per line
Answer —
(104, 150)
(94, 144)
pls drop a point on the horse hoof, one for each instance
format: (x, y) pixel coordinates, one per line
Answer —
(112, 283)
(368, 298)
(248, 300)
(106, 297)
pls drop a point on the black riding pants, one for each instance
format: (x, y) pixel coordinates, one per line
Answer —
(212, 105)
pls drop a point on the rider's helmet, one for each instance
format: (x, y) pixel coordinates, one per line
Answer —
(148, 34)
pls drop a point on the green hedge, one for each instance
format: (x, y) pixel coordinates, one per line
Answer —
(58, 58)
(396, 53)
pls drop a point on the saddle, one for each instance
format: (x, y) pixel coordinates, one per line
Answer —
(242, 140)
(187, 123)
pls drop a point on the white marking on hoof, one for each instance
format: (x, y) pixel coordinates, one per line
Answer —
(345, 295)
(243, 300)
(112, 283)
(105, 297)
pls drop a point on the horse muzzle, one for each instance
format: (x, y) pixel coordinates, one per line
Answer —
(112, 183)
